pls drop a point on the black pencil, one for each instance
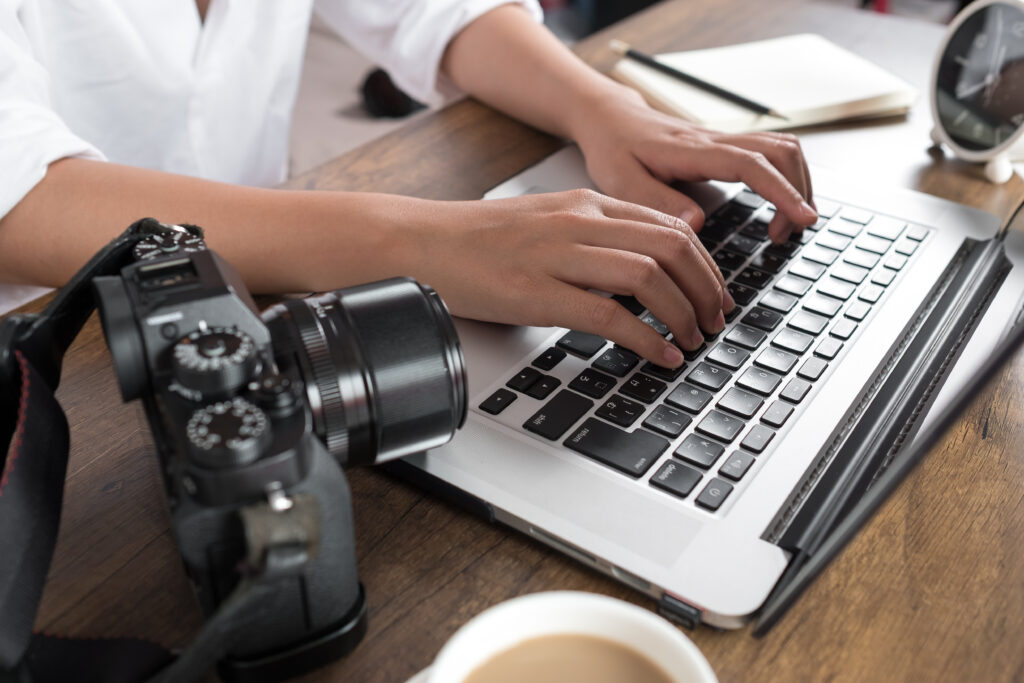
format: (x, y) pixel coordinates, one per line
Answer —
(626, 51)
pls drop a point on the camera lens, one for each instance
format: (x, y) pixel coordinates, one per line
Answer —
(383, 368)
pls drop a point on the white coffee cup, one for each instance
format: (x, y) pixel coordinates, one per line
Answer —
(568, 612)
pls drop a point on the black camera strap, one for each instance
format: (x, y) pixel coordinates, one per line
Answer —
(34, 431)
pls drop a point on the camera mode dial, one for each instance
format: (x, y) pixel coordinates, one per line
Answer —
(227, 434)
(215, 360)
(170, 243)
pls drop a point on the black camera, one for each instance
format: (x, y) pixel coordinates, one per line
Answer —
(254, 416)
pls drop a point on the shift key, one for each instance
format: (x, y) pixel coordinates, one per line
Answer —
(632, 453)
(558, 414)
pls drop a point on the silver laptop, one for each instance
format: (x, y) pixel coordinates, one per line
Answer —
(699, 487)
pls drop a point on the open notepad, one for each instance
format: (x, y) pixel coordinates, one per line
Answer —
(804, 77)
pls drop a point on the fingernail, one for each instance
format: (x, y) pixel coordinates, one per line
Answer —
(728, 303)
(809, 211)
(719, 323)
(689, 217)
(671, 357)
(696, 339)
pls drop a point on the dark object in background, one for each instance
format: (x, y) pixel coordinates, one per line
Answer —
(597, 14)
(383, 99)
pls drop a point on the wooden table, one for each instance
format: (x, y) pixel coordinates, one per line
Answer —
(932, 589)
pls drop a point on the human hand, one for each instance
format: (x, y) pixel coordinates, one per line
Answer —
(634, 152)
(530, 260)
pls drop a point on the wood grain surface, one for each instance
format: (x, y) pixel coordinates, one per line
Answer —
(931, 589)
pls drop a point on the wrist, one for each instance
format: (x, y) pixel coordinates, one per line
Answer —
(592, 106)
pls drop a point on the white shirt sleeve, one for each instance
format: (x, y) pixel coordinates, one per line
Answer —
(32, 135)
(407, 38)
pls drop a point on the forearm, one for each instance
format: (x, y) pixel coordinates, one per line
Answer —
(508, 61)
(280, 241)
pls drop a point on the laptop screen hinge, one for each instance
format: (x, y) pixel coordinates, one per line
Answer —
(679, 612)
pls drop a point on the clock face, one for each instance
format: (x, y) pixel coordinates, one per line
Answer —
(980, 82)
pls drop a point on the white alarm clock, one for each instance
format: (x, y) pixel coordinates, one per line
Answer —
(977, 87)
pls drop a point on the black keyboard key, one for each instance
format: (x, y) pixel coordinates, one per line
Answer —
(643, 388)
(741, 294)
(777, 414)
(676, 478)
(667, 421)
(761, 381)
(791, 284)
(736, 465)
(699, 451)
(689, 398)
(749, 199)
(667, 374)
(822, 305)
(785, 250)
(558, 414)
(871, 293)
(831, 240)
(498, 401)
(763, 318)
(806, 269)
(708, 376)
(543, 387)
(715, 231)
(858, 310)
(695, 353)
(524, 380)
(631, 453)
(734, 313)
(843, 329)
(629, 303)
(757, 230)
(729, 260)
(795, 390)
(791, 340)
(778, 301)
(875, 245)
(837, 289)
(742, 244)
(659, 327)
(861, 258)
(768, 262)
(810, 323)
(886, 228)
(752, 277)
(739, 402)
(617, 361)
(728, 356)
(718, 425)
(828, 348)
(714, 494)
(593, 383)
(549, 358)
(757, 439)
(620, 410)
(776, 360)
(812, 368)
(819, 254)
(582, 344)
(883, 277)
(848, 273)
(733, 213)
(746, 336)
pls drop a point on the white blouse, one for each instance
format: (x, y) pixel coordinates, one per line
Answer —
(146, 83)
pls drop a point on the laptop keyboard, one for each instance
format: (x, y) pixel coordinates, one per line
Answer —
(696, 433)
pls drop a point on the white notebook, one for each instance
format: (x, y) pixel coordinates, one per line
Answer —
(805, 77)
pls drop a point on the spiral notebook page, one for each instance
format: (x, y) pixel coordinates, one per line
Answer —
(805, 77)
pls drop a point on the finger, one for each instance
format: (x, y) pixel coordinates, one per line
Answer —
(674, 252)
(589, 312)
(735, 164)
(622, 272)
(646, 190)
(651, 192)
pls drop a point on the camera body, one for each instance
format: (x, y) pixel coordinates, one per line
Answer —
(253, 420)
